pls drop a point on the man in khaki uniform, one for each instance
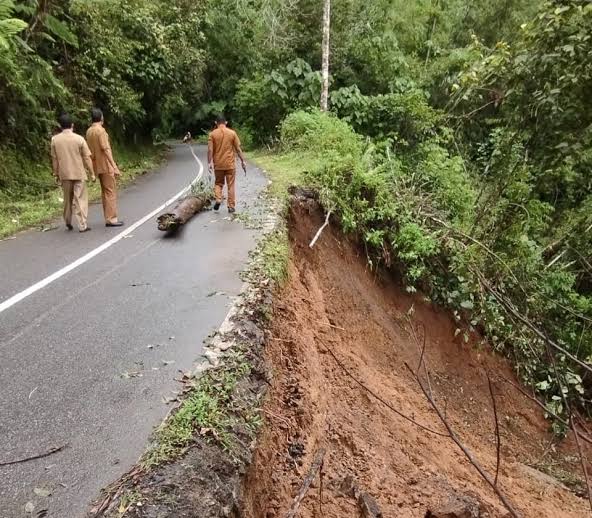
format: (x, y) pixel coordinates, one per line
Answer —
(70, 159)
(223, 146)
(105, 167)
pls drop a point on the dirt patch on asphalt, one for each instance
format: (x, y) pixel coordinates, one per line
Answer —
(375, 460)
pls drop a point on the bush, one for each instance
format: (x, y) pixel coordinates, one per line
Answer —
(265, 99)
(377, 195)
(22, 177)
(416, 207)
(314, 131)
(405, 119)
(246, 137)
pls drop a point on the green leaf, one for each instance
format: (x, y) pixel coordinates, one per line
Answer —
(9, 28)
(543, 385)
(60, 30)
(467, 304)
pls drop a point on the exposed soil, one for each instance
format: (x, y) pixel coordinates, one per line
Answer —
(333, 302)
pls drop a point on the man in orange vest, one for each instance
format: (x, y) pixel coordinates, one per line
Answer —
(223, 146)
(105, 167)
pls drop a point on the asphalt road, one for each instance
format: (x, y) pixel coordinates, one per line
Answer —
(76, 368)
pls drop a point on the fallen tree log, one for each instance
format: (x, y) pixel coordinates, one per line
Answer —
(182, 213)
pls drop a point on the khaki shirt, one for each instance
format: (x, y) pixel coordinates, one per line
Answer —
(69, 155)
(98, 142)
(224, 144)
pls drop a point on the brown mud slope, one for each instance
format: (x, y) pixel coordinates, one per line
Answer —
(333, 302)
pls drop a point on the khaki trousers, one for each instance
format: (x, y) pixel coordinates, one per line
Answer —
(229, 177)
(109, 197)
(75, 197)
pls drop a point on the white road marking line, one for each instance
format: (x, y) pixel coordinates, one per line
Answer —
(67, 300)
(15, 299)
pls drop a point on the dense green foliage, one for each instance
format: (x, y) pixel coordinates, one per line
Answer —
(141, 61)
(482, 201)
(458, 150)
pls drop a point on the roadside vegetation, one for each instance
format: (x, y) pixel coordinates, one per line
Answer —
(283, 170)
(207, 411)
(474, 188)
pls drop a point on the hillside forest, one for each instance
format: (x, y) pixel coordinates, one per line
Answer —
(457, 148)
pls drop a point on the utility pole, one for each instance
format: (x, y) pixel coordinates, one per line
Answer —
(326, 50)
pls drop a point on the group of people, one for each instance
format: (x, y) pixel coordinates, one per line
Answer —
(73, 159)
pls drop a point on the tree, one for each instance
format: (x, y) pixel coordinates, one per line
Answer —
(326, 50)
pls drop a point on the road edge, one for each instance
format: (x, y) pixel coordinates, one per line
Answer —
(234, 350)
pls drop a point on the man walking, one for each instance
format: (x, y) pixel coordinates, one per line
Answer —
(223, 146)
(105, 167)
(70, 159)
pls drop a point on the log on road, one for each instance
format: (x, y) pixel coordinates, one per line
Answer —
(182, 213)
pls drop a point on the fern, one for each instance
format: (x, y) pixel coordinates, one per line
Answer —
(6, 8)
(9, 27)
(60, 30)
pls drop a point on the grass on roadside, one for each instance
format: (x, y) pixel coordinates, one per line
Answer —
(274, 257)
(283, 170)
(20, 210)
(201, 139)
(209, 410)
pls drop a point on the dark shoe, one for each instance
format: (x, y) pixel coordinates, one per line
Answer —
(116, 224)
(87, 229)
(69, 226)
(216, 205)
(231, 210)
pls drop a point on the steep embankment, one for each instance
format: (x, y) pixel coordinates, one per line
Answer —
(336, 315)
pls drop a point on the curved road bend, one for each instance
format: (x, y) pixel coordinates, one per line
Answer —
(70, 351)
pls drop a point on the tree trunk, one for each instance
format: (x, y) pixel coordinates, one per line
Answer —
(182, 213)
(430, 33)
(43, 7)
(326, 46)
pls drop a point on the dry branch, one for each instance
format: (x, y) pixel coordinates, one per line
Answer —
(328, 324)
(508, 306)
(34, 457)
(463, 448)
(501, 261)
(482, 245)
(422, 360)
(583, 459)
(385, 403)
(571, 421)
(308, 480)
(320, 231)
(542, 405)
(498, 441)
(112, 492)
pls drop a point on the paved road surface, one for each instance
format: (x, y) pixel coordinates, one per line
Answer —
(65, 349)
